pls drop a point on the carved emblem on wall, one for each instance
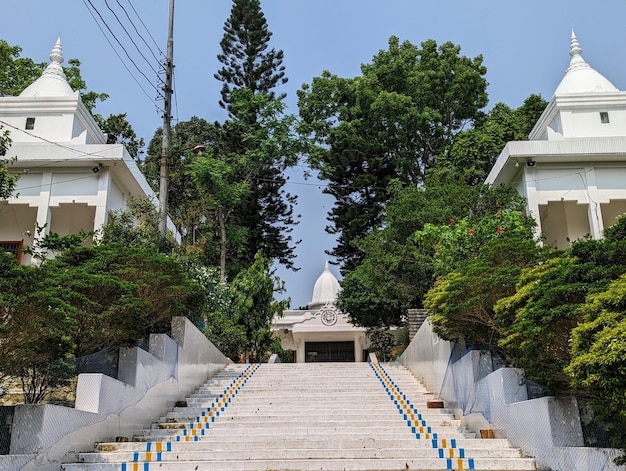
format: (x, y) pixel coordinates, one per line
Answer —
(328, 315)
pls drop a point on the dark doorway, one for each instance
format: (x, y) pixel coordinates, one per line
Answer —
(329, 351)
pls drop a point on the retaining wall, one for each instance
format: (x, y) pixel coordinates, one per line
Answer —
(546, 428)
(149, 384)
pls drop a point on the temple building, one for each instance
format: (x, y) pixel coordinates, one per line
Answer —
(321, 333)
(572, 171)
(69, 177)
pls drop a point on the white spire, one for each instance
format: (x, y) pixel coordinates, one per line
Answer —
(580, 77)
(575, 51)
(53, 82)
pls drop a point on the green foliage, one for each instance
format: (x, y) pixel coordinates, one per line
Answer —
(475, 150)
(247, 62)
(228, 179)
(239, 314)
(285, 356)
(250, 74)
(477, 261)
(119, 131)
(382, 342)
(455, 243)
(48, 244)
(7, 181)
(84, 299)
(187, 206)
(16, 73)
(35, 344)
(598, 363)
(538, 319)
(392, 122)
(137, 226)
(253, 294)
(76, 81)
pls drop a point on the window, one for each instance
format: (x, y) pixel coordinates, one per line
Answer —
(14, 247)
(30, 123)
(604, 117)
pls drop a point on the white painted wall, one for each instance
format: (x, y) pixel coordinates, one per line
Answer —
(547, 428)
(107, 408)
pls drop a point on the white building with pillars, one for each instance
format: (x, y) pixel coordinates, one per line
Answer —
(572, 171)
(321, 333)
(69, 177)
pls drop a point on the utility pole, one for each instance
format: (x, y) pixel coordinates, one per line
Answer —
(167, 110)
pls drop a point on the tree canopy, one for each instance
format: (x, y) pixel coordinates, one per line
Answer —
(392, 122)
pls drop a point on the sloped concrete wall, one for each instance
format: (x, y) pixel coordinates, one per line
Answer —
(547, 428)
(149, 385)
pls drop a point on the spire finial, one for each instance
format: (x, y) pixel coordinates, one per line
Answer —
(54, 68)
(574, 49)
(57, 52)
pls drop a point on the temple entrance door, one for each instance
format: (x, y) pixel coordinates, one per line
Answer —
(329, 351)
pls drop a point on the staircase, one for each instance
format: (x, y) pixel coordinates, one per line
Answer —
(312, 416)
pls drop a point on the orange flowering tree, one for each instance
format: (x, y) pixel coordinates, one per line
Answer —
(477, 261)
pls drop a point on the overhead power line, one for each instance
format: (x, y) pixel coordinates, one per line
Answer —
(141, 54)
(137, 31)
(101, 22)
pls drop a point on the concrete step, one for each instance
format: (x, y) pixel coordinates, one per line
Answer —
(293, 454)
(305, 417)
(348, 442)
(493, 464)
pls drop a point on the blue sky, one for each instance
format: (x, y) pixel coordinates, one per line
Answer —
(525, 48)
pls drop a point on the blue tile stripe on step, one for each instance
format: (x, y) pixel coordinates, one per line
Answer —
(193, 430)
(447, 448)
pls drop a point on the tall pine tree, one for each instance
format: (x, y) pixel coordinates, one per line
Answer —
(249, 63)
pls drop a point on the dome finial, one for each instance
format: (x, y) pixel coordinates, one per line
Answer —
(574, 49)
(56, 55)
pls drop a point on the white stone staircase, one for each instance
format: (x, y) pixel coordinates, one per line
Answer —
(313, 416)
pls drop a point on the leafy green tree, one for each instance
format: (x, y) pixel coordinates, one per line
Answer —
(137, 226)
(249, 64)
(7, 181)
(16, 73)
(254, 304)
(35, 344)
(598, 365)
(394, 275)
(549, 302)
(392, 122)
(382, 342)
(187, 206)
(397, 269)
(120, 131)
(47, 245)
(227, 179)
(475, 150)
(477, 261)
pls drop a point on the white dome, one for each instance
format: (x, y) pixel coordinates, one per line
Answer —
(52, 82)
(580, 77)
(326, 288)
